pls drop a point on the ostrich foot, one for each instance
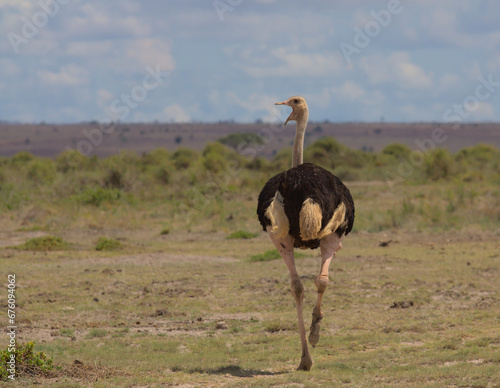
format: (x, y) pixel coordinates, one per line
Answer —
(305, 363)
(315, 327)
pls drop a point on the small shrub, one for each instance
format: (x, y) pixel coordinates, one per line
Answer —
(278, 325)
(99, 195)
(165, 231)
(266, 256)
(27, 361)
(108, 244)
(241, 234)
(45, 243)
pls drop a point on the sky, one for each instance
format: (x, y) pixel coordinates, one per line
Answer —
(67, 61)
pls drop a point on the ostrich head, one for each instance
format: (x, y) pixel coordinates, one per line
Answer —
(299, 108)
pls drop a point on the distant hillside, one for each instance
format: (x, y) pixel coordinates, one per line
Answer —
(49, 140)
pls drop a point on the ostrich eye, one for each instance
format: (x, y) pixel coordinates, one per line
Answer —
(296, 100)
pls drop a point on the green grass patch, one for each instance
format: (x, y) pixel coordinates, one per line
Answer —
(108, 244)
(67, 332)
(273, 254)
(242, 234)
(44, 244)
(96, 333)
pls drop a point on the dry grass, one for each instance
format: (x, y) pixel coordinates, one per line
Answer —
(154, 316)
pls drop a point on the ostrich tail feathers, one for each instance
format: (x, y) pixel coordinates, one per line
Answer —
(310, 220)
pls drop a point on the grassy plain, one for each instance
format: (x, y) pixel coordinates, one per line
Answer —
(170, 300)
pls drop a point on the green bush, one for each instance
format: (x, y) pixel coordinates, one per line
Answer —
(438, 164)
(217, 158)
(27, 362)
(214, 162)
(282, 160)
(114, 179)
(22, 158)
(184, 157)
(41, 171)
(323, 152)
(397, 150)
(70, 160)
(347, 174)
(236, 140)
(258, 163)
(97, 196)
(163, 175)
(157, 157)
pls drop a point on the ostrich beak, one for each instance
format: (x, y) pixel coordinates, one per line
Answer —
(291, 114)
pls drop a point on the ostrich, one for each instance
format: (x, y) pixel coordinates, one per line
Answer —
(305, 207)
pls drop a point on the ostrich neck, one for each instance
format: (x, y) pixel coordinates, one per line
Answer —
(298, 144)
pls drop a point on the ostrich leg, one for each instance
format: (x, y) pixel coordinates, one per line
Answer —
(285, 248)
(329, 246)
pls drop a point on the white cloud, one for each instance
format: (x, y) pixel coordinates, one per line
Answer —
(395, 69)
(348, 91)
(95, 20)
(89, 48)
(483, 111)
(289, 62)
(150, 52)
(175, 113)
(449, 81)
(255, 103)
(68, 75)
(103, 100)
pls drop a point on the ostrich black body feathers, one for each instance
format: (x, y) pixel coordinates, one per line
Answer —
(296, 186)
